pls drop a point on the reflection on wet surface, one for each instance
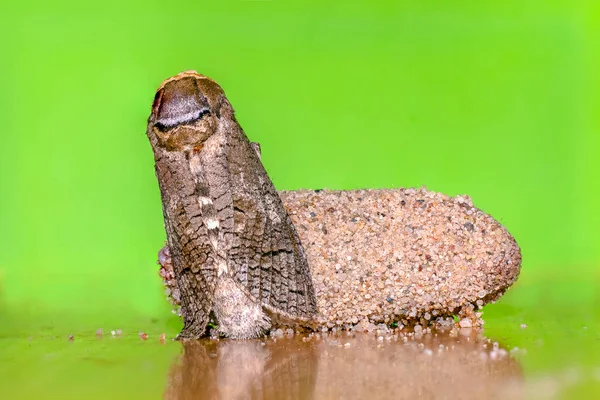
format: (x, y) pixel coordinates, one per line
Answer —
(331, 366)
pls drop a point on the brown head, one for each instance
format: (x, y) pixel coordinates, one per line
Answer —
(186, 111)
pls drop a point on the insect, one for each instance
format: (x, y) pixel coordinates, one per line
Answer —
(235, 254)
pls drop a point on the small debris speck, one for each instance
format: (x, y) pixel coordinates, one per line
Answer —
(277, 333)
(465, 323)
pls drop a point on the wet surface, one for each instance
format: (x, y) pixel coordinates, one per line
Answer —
(457, 365)
(548, 330)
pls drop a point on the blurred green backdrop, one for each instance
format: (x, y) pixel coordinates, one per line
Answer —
(497, 100)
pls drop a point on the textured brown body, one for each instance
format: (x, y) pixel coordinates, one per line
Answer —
(408, 256)
(235, 252)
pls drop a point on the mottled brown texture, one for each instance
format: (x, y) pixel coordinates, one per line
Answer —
(234, 251)
(401, 255)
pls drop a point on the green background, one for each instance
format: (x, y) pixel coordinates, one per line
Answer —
(498, 100)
